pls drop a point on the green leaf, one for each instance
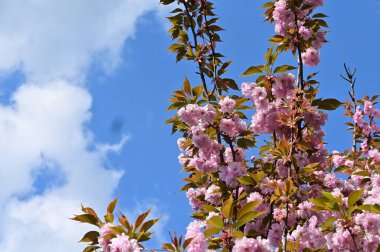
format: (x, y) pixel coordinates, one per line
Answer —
(166, 2)
(355, 197)
(147, 225)
(124, 221)
(175, 47)
(168, 247)
(246, 180)
(91, 248)
(186, 86)
(227, 207)
(267, 5)
(245, 143)
(252, 70)
(319, 15)
(250, 206)
(209, 208)
(247, 218)
(284, 68)
(269, 55)
(328, 223)
(89, 211)
(231, 84)
(237, 234)
(362, 173)
(109, 217)
(258, 176)
(197, 91)
(210, 231)
(216, 222)
(111, 206)
(276, 39)
(187, 242)
(328, 104)
(91, 236)
(369, 208)
(141, 218)
(117, 229)
(87, 218)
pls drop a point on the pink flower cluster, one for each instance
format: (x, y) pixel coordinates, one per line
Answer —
(287, 19)
(121, 243)
(194, 115)
(365, 120)
(309, 235)
(195, 232)
(251, 245)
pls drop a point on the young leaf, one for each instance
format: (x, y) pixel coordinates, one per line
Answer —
(216, 222)
(141, 218)
(252, 70)
(250, 206)
(355, 197)
(227, 207)
(91, 236)
(283, 68)
(186, 86)
(111, 206)
(247, 218)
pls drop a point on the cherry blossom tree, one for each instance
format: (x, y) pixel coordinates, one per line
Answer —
(294, 195)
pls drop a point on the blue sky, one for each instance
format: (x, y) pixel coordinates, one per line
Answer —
(84, 97)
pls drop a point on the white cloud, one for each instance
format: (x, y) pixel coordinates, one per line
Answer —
(44, 124)
(44, 129)
(59, 39)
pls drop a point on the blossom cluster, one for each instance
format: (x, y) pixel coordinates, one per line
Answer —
(293, 195)
(203, 153)
(294, 22)
(121, 243)
(367, 127)
(283, 112)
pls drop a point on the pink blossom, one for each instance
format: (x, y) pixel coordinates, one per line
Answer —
(213, 194)
(338, 159)
(368, 107)
(251, 245)
(247, 88)
(315, 119)
(369, 221)
(305, 33)
(330, 180)
(375, 154)
(341, 240)
(206, 166)
(371, 243)
(122, 243)
(193, 196)
(227, 105)
(194, 231)
(309, 235)
(311, 57)
(230, 173)
(358, 116)
(275, 234)
(104, 242)
(201, 141)
(284, 86)
(258, 93)
(238, 154)
(319, 40)
(228, 127)
(305, 209)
